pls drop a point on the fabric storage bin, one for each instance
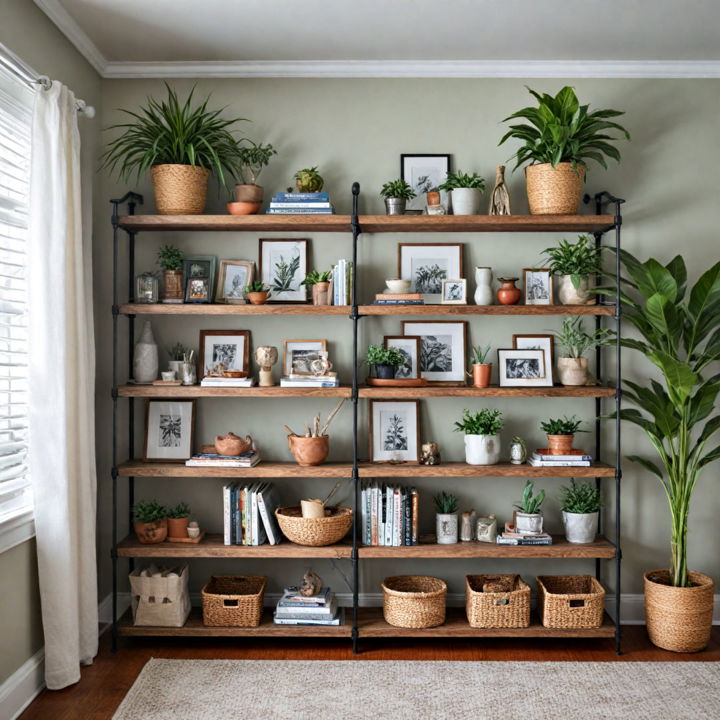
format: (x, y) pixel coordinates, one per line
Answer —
(414, 601)
(570, 601)
(160, 601)
(501, 609)
(233, 600)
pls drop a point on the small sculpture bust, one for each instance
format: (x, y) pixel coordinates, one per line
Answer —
(429, 454)
(266, 356)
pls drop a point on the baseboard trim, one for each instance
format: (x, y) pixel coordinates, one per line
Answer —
(23, 686)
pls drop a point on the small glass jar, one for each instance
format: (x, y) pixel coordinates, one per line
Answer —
(146, 288)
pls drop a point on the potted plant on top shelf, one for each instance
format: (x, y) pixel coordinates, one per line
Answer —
(308, 180)
(465, 191)
(150, 522)
(561, 434)
(580, 503)
(319, 281)
(385, 361)
(574, 264)
(252, 158)
(559, 137)
(481, 428)
(396, 194)
(575, 341)
(170, 259)
(528, 516)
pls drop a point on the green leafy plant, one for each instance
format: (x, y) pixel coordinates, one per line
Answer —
(562, 130)
(445, 503)
(284, 273)
(580, 498)
(177, 351)
(529, 503)
(578, 260)
(147, 511)
(181, 510)
(308, 180)
(314, 277)
(479, 354)
(456, 180)
(251, 160)
(562, 426)
(256, 286)
(397, 189)
(175, 133)
(482, 422)
(377, 355)
(576, 341)
(170, 258)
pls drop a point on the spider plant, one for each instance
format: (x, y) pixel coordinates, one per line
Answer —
(459, 180)
(576, 341)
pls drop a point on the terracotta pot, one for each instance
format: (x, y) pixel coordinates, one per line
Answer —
(320, 293)
(180, 189)
(152, 532)
(232, 444)
(177, 527)
(507, 293)
(243, 208)
(560, 444)
(309, 450)
(257, 298)
(571, 295)
(481, 373)
(678, 619)
(249, 194)
(573, 371)
(173, 285)
(554, 191)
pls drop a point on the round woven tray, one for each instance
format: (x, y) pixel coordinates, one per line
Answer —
(414, 601)
(314, 532)
(554, 191)
(180, 189)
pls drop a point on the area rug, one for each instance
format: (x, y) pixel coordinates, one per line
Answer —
(320, 690)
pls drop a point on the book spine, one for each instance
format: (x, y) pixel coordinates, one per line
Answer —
(288, 205)
(226, 515)
(415, 514)
(285, 621)
(397, 524)
(233, 513)
(398, 302)
(374, 515)
(560, 463)
(398, 296)
(243, 517)
(407, 540)
(389, 516)
(382, 505)
(317, 196)
(255, 540)
(363, 514)
(309, 211)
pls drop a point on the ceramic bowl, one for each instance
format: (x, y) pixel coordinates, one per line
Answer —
(397, 285)
(243, 208)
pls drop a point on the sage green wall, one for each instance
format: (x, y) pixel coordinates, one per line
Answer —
(356, 130)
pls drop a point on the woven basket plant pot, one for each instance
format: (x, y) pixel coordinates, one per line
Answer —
(678, 618)
(414, 601)
(180, 189)
(554, 191)
(314, 532)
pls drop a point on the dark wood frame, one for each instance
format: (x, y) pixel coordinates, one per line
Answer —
(549, 336)
(551, 299)
(147, 420)
(532, 384)
(429, 245)
(300, 340)
(192, 301)
(222, 272)
(417, 339)
(212, 333)
(371, 406)
(261, 242)
(464, 323)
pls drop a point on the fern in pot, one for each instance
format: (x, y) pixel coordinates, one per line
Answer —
(580, 503)
(465, 191)
(574, 264)
(528, 516)
(575, 342)
(481, 428)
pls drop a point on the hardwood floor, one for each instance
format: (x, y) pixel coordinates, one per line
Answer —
(105, 683)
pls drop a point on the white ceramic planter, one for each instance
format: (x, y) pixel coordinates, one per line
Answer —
(483, 289)
(446, 528)
(526, 523)
(570, 295)
(580, 527)
(572, 371)
(465, 201)
(482, 449)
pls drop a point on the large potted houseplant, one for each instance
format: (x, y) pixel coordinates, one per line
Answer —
(528, 516)
(481, 428)
(252, 158)
(180, 145)
(150, 522)
(575, 342)
(465, 191)
(574, 264)
(396, 193)
(561, 434)
(385, 361)
(170, 259)
(557, 139)
(580, 504)
(680, 335)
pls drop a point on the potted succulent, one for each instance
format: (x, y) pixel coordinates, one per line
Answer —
(580, 509)
(575, 341)
(465, 191)
(528, 516)
(180, 145)
(308, 180)
(177, 520)
(396, 193)
(574, 264)
(561, 434)
(446, 518)
(150, 522)
(481, 370)
(319, 281)
(177, 358)
(257, 292)
(252, 158)
(385, 361)
(170, 259)
(558, 138)
(481, 428)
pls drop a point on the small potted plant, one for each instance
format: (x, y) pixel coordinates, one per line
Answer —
(313, 446)
(177, 357)
(581, 504)
(574, 264)
(528, 516)
(308, 180)
(482, 445)
(257, 292)
(446, 519)
(170, 259)
(396, 193)
(150, 522)
(319, 281)
(481, 370)
(177, 520)
(252, 158)
(385, 361)
(575, 341)
(465, 191)
(561, 434)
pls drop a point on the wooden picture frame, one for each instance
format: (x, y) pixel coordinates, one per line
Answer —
(191, 439)
(447, 293)
(287, 356)
(403, 371)
(538, 286)
(298, 292)
(236, 296)
(204, 334)
(409, 327)
(410, 455)
(530, 370)
(435, 166)
(543, 342)
(431, 287)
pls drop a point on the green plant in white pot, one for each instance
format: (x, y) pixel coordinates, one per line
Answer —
(465, 191)
(574, 265)
(528, 516)
(446, 518)
(575, 342)
(481, 428)
(580, 504)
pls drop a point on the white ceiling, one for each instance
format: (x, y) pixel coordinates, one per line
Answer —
(394, 37)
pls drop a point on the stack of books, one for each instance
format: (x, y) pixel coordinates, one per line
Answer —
(342, 281)
(330, 380)
(249, 514)
(296, 609)
(301, 204)
(399, 299)
(511, 537)
(575, 458)
(217, 381)
(209, 459)
(389, 515)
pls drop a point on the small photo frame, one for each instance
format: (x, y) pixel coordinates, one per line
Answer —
(454, 292)
(229, 348)
(234, 276)
(197, 290)
(426, 266)
(394, 431)
(299, 354)
(169, 430)
(197, 267)
(521, 368)
(409, 347)
(538, 286)
(443, 352)
(283, 266)
(424, 173)
(546, 343)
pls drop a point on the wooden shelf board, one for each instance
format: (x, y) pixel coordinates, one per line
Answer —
(486, 309)
(221, 309)
(195, 391)
(138, 468)
(461, 469)
(238, 223)
(492, 391)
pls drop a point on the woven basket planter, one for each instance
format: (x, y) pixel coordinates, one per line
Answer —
(233, 600)
(570, 601)
(497, 609)
(180, 189)
(554, 191)
(414, 601)
(679, 619)
(314, 532)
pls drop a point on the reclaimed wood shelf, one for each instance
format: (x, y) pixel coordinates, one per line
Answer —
(138, 468)
(486, 310)
(590, 391)
(222, 309)
(461, 469)
(196, 391)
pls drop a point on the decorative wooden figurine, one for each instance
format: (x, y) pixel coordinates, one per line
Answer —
(429, 454)
(311, 584)
(500, 197)
(266, 356)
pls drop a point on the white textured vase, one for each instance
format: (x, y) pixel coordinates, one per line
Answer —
(573, 371)
(483, 286)
(465, 201)
(446, 528)
(145, 357)
(570, 295)
(528, 523)
(580, 527)
(482, 449)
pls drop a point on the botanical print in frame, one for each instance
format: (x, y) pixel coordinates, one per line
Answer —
(299, 354)
(394, 431)
(234, 276)
(409, 348)
(521, 368)
(223, 349)
(538, 286)
(454, 292)
(200, 266)
(169, 430)
(426, 266)
(283, 266)
(424, 173)
(442, 349)
(546, 343)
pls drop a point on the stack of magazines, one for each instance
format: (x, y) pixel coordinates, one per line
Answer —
(512, 537)
(219, 381)
(296, 609)
(330, 380)
(574, 458)
(211, 459)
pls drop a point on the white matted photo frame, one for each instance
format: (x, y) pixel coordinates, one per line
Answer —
(227, 348)
(394, 431)
(424, 173)
(521, 368)
(234, 276)
(282, 267)
(169, 430)
(426, 266)
(538, 286)
(546, 343)
(409, 348)
(298, 354)
(454, 292)
(443, 349)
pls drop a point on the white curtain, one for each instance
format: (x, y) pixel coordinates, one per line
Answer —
(62, 378)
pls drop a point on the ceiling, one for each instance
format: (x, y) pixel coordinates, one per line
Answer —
(446, 38)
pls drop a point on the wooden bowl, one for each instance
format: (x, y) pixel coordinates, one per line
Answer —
(243, 208)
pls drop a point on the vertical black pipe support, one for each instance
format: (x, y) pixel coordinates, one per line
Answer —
(598, 401)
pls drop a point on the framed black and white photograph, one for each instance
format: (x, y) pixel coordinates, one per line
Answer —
(394, 431)
(197, 290)
(521, 368)
(298, 355)
(426, 266)
(199, 267)
(234, 276)
(443, 346)
(169, 430)
(283, 266)
(424, 173)
(454, 292)
(538, 286)
(223, 351)
(409, 347)
(546, 343)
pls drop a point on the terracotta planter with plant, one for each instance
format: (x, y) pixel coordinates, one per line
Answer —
(481, 370)
(580, 504)
(528, 516)
(150, 522)
(313, 446)
(481, 429)
(575, 266)
(384, 361)
(252, 158)
(561, 434)
(177, 520)
(170, 259)
(396, 193)
(465, 192)
(319, 282)
(575, 342)
(257, 293)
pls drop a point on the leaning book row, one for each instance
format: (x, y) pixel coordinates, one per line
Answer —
(389, 515)
(249, 514)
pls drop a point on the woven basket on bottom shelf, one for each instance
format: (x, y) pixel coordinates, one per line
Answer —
(314, 532)
(497, 609)
(414, 601)
(233, 600)
(570, 601)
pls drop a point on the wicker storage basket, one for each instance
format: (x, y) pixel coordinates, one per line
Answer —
(180, 189)
(233, 600)
(314, 532)
(497, 609)
(554, 191)
(570, 601)
(414, 601)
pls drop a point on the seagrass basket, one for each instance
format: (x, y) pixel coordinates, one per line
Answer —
(233, 600)
(414, 601)
(180, 189)
(497, 609)
(554, 191)
(570, 601)
(314, 532)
